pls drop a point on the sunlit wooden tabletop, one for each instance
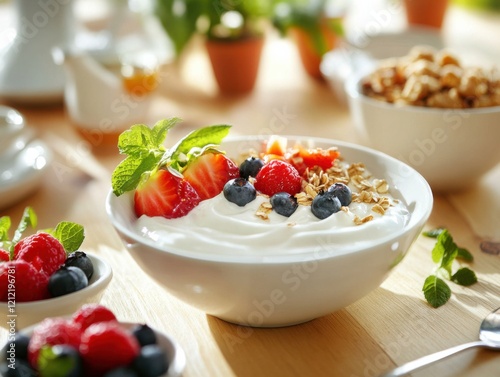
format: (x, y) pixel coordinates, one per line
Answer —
(390, 326)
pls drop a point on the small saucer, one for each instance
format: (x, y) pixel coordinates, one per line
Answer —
(22, 174)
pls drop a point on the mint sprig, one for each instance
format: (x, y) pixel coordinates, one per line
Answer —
(71, 235)
(146, 153)
(444, 254)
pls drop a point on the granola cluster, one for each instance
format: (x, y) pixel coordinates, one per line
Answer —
(430, 78)
(370, 190)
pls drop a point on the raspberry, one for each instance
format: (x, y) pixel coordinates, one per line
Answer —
(4, 255)
(52, 331)
(28, 283)
(43, 251)
(92, 313)
(278, 176)
(105, 346)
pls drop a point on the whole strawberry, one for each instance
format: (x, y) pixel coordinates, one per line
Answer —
(278, 176)
(105, 346)
(43, 251)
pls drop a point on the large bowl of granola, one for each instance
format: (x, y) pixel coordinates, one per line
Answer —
(433, 113)
(251, 266)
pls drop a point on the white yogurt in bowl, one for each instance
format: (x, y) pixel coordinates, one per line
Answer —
(281, 271)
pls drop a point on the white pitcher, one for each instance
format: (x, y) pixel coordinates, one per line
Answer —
(28, 73)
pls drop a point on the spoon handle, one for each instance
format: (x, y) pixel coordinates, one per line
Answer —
(429, 359)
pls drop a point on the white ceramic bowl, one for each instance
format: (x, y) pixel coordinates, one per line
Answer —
(282, 288)
(452, 149)
(28, 313)
(175, 354)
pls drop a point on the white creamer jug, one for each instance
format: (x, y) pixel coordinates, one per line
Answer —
(28, 73)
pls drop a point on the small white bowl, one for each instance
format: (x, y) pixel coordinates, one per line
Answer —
(451, 148)
(280, 288)
(23, 314)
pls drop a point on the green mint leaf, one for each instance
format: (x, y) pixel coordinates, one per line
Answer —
(436, 291)
(464, 276)
(129, 172)
(71, 235)
(28, 219)
(464, 254)
(144, 149)
(444, 249)
(433, 233)
(5, 225)
(194, 143)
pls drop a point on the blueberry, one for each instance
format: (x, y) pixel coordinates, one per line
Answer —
(144, 334)
(81, 260)
(20, 368)
(284, 204)
(121, 372)
(250, 167)
(239, 191)
(67, 280)
(341, 191)
(151, 362)
(325, 204)
(17, 346)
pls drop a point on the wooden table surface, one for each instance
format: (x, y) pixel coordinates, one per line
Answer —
(390, 326)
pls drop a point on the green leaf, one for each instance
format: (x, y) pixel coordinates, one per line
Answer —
(433, 233)
(444, 248)
(198, 139)
(71, 235)
(128, 174)
(464, 254)
(436, 291)
(28, 219)
(464, 276)
(5, 225)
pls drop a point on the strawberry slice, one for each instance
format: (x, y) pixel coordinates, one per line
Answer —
(304, 158)
(165, 194)
(209, 173)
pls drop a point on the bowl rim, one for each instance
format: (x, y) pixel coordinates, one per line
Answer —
(96, 285)
(352, 87)
(134, 239)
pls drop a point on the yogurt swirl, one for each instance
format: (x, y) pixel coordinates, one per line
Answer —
(217, 226)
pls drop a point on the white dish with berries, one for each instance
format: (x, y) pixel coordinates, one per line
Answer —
(91, 342)
(45, 274)
(249, 265)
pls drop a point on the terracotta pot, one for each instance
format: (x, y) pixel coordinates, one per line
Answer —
(235, 64)
(309, 57)
(426, 12)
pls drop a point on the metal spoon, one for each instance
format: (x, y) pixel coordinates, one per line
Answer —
(489, 335)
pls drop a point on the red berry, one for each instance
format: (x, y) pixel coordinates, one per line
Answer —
(107, 345)
(92, 313)
(278, 176)
(28, 283)
(209, 173)
(4, 255)
(43, 251)
(52, 331)
(165, 194)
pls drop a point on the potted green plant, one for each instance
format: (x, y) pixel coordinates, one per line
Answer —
(314, 25)
(234, 35)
